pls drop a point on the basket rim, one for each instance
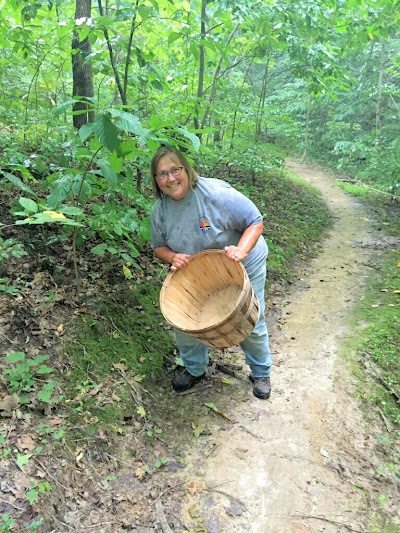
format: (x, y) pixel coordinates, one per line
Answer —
(171, 274)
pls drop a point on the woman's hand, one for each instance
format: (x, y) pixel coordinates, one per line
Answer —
(235, 253)
(179, 261)
(246, 243)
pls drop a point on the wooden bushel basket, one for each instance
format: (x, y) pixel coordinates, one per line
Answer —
(211, 299)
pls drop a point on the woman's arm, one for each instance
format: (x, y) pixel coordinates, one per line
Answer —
(166, 255)
(246, 243)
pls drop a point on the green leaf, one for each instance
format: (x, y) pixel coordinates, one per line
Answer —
(23, 459)
(195, 140)
(116, 163)
(29, 205)
(86, 131)
(157, 85)
(17, 182)
(44, 369)
(141, 411)
(109, 174)
(106, 131)
(32, 495)
(100, 249)
(173, 36)
(15, 357)
(131, 123)
(63, 107)
(70, 210)
(213, 407)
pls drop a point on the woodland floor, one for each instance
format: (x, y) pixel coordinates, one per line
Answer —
(303, 461)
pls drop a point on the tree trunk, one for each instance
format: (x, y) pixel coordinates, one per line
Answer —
(261, 103)
(200, 83)
(307, 131)
(213, 92)
(82, 71)
(117, 77)
(378, 105)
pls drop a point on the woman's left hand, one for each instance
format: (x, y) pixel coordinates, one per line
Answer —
(235, 253)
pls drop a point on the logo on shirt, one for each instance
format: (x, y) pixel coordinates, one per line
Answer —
(204, 225)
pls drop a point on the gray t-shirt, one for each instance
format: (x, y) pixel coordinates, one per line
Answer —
(211, 216)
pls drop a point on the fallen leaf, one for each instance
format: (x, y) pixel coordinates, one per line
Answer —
(25, 442)
(78, 458)
(56, 421)
(9, 403)
(215, 409)
(195, 486)
(120, 366)
(197, 430)
(140, 473)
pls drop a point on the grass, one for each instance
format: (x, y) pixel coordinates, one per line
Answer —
(375, 352)
(376, 339)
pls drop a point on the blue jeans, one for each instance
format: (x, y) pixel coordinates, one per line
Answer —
(256, 346)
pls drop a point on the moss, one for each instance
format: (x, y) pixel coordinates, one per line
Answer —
(129, 329)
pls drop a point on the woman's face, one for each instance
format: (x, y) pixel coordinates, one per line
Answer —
(172, 177)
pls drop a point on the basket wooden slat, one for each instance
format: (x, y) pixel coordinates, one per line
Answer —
(211, 299)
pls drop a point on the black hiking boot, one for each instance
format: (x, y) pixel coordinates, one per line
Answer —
(261, 387)
(183, 380)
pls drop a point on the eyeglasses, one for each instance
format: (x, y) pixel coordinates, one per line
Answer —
(162, 176)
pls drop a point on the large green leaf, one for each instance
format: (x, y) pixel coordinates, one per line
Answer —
(106, 131)
(195, 140)
(86, 131)
(130, 123)
(29, 204)
(15, 180)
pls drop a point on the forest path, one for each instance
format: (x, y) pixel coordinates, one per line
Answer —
(299, 462)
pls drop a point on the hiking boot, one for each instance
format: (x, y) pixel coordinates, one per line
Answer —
(261, 387)
(183, 380)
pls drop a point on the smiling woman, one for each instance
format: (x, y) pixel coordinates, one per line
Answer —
(194, 214)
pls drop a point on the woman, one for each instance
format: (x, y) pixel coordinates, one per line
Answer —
(194, 214)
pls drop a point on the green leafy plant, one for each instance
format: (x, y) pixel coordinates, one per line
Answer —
(6, 523)
(11, 248)
(37, 489)
(23, 375)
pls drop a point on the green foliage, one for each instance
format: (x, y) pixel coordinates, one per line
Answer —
(379, 340)
(127, 332)
(11, 248)
(6, 523)
(36, 490)
(24, 375)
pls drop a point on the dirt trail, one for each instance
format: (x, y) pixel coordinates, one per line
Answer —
(297, 462)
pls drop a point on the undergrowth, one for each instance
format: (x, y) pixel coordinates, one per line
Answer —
(375, 345)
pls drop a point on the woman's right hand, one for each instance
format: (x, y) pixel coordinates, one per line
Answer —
(179, 261)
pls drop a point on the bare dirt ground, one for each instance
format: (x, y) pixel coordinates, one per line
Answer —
(304, 461)
(226, 462)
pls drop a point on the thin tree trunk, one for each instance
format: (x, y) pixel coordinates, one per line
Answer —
(129, 51)
(117, 77)
(378, 105)
(307, 131)
(261, 104)
(200, 84)
(215, 79)
(82, 74)
(237, 106)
